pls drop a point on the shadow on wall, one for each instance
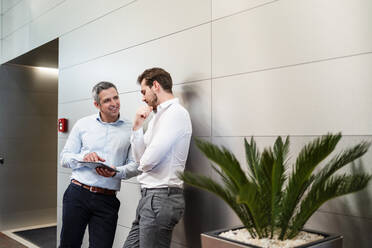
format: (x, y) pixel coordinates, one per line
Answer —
(358, 204)
(204, 211)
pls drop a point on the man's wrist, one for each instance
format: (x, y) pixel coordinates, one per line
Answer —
(135, 128)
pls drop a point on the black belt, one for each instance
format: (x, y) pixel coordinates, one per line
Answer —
(168, 190)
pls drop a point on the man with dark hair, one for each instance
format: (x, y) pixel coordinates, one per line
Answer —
(161, 153)
(90, 199)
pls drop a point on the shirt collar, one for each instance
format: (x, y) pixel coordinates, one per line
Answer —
(119, 121)
(167, 103)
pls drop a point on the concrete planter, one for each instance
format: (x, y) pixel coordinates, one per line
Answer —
(212, 240)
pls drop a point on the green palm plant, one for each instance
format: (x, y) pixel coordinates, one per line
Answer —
(269, 199)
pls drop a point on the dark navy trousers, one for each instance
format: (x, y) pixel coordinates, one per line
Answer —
(81, 208)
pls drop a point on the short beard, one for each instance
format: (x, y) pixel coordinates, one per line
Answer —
(154, 104)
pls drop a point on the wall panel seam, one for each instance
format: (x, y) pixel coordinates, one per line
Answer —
(234, 74)
(134, 91)
(62, 172)
(245, 10)
(136, 45)
(10, 7)
(346, 215)
(290, 135)
(32, 20)
(99, 17)
(294, 65)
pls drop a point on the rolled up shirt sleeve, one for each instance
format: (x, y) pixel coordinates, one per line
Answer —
(130, 168)
(138, 146)
(72, 152)
(162, 141)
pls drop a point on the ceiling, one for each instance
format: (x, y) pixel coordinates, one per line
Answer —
(42, 56)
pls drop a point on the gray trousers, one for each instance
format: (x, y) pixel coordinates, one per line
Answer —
(158, 211)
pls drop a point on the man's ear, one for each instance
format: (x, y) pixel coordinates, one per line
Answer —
(96, 104)
(156, 85)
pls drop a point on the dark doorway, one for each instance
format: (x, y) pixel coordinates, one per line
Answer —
(28, 139)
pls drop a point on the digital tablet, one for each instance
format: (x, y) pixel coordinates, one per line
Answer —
(94, 165)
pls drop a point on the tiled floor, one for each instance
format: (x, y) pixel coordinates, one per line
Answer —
(7, 242)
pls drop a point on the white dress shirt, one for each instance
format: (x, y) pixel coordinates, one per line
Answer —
(162, 151)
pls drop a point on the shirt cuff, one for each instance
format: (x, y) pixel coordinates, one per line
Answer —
(137, 134)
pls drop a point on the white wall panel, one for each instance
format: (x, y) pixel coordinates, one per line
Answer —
(16, 44)
(129, 196)
(290, 32)
(221, 8)
(68, 16)
(120, 236)
(186, 55)
(8, 4)
(59, 224)
(62, 183)
(61, 145)
(74, 111)
(137, 23)
(310, 99)
(25, 12)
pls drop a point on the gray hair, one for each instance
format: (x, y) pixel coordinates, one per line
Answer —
(99, 87)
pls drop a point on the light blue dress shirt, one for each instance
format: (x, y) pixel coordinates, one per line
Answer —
(111, 141)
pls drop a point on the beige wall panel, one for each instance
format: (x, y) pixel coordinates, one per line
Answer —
(221, 8)
(24, 12)
(186, 55)
(37, 126)
(63, 180)
(290, 32)
(131, 26)
(356, 231)
(310, 99)
(37, 81)
(129, 195)
(17, 151)
(8, 4)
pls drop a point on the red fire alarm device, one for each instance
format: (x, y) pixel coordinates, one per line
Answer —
(62, 125)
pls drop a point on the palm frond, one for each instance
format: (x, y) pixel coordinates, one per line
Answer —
(278, 178)
(310, 156)
(250, 195)
(225, 160)
(333, 187)
(262, 200)
(212, 186)
(253, 158)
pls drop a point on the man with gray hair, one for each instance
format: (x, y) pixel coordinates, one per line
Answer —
(90, 199)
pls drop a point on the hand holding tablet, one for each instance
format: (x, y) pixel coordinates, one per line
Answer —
(94, 165)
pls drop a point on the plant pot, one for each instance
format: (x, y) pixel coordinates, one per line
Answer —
(212, 240)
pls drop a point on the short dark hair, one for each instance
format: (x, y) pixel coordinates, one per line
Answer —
(103, 85)
(160, 75)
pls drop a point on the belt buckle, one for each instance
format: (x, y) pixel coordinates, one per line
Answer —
(91, 189)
